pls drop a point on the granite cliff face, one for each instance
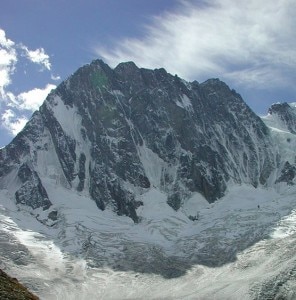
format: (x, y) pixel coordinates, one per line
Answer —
(114, 133)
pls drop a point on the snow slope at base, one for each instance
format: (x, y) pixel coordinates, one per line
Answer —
(78, 255)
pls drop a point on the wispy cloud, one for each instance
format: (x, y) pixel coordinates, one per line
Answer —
(37, 56)
(245, 41)
(55, 78)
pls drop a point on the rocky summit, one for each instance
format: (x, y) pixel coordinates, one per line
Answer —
(114, 133)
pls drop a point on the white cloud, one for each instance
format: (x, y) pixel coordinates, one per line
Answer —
(15, 108)
(8, 59)
(30, 100)
(218, 38)
(4, 41)
(13, 123)
(38, 56)
(9, 53)
(14, 119)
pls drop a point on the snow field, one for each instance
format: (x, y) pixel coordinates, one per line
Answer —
(80, 253)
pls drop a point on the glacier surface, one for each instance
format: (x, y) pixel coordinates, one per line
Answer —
(241, 246)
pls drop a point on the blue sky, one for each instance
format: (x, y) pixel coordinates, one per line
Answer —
(251, 45)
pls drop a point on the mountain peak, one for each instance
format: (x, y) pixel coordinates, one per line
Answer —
(113, 134)
(126, 66)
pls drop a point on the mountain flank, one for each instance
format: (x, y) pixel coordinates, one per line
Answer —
(112, 134)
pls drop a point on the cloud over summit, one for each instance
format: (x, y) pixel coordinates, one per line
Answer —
(242, 41)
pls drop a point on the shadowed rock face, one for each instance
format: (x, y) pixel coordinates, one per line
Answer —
(31, 193)
(288, 174)
(285, 113)
(113, 133)
(11, 289)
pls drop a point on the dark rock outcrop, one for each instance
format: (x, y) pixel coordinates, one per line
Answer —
(288, 174)
(31, 193)
(11, 289)
(286, 113)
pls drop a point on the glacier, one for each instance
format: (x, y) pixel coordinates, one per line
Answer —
(234, 249)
